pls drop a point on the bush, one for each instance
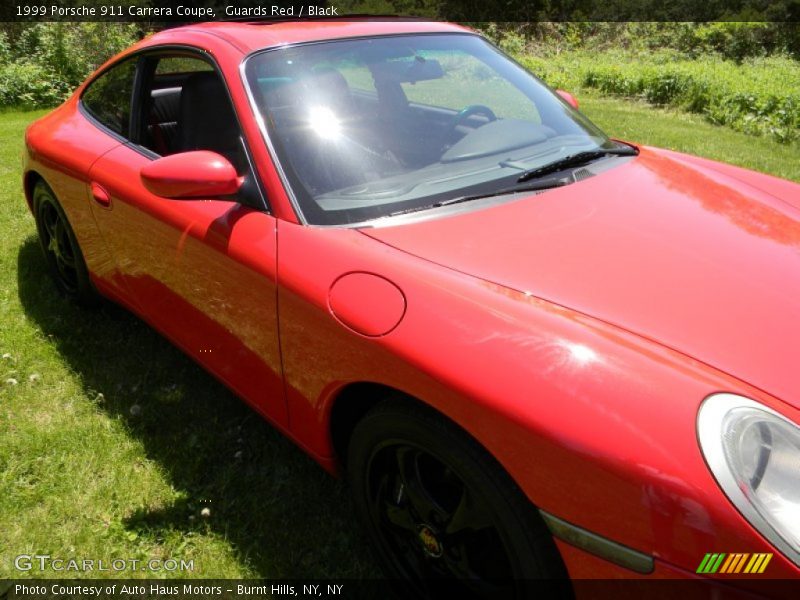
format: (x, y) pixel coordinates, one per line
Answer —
(737, 39)
(48, 60)
(759, 96)
(29, 86)
(5, 48)
(733, 40)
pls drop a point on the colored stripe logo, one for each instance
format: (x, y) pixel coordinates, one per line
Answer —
(734, 563)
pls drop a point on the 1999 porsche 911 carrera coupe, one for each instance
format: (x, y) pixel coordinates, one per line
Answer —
(534, 351)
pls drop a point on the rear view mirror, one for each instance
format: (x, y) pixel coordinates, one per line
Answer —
(423, 70)
(412, 70)
(197, 174)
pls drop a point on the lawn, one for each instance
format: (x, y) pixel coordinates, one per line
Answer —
(685, 132)
(114, 442)
(116, 445)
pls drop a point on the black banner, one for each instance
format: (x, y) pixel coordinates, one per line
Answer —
(226, 589)
(186, 11)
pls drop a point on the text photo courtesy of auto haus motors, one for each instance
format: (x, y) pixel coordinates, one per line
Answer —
(527, 291)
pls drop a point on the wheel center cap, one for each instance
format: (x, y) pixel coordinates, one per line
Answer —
(429, 540)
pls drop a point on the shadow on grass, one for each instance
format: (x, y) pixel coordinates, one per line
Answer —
(282, 514)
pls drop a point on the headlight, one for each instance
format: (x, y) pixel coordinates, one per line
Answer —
(754, 453)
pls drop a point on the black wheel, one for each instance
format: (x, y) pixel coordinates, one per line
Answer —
(444, 517)
(62, 253)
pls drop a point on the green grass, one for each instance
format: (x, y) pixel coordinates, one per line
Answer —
(81, 475)
(678, 130)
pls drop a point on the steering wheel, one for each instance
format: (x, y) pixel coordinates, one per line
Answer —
(466, 112)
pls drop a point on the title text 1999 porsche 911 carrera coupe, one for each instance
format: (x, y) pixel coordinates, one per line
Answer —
(534, 351)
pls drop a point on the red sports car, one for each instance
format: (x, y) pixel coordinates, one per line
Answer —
(534, 351)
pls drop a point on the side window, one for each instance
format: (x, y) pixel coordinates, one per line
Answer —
(186, 107)
(108, 98)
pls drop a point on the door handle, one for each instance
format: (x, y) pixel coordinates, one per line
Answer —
(100, 195)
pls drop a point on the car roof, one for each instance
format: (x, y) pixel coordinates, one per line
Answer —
(256, 35)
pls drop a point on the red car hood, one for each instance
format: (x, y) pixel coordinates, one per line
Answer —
(671, 249)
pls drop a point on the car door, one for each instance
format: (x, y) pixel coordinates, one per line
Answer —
(202, 271)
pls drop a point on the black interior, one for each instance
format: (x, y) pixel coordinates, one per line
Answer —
(192, 111)
(162, 124)
(206, 120)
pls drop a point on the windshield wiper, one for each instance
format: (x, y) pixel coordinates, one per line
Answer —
(575, 160)
(542, 184)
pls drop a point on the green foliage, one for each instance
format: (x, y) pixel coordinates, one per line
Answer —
(509, 38)
(732, 40)
(760, 96)
(5, 48)
(27, 84)
(48, 60)
(735, 40)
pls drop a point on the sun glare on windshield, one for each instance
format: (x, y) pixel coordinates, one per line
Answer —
(367, 127)
(324, 123)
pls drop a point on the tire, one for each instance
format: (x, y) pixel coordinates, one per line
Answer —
(445, 518)
(61, 251)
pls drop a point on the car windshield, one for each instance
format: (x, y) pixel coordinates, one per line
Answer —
(367, 128)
